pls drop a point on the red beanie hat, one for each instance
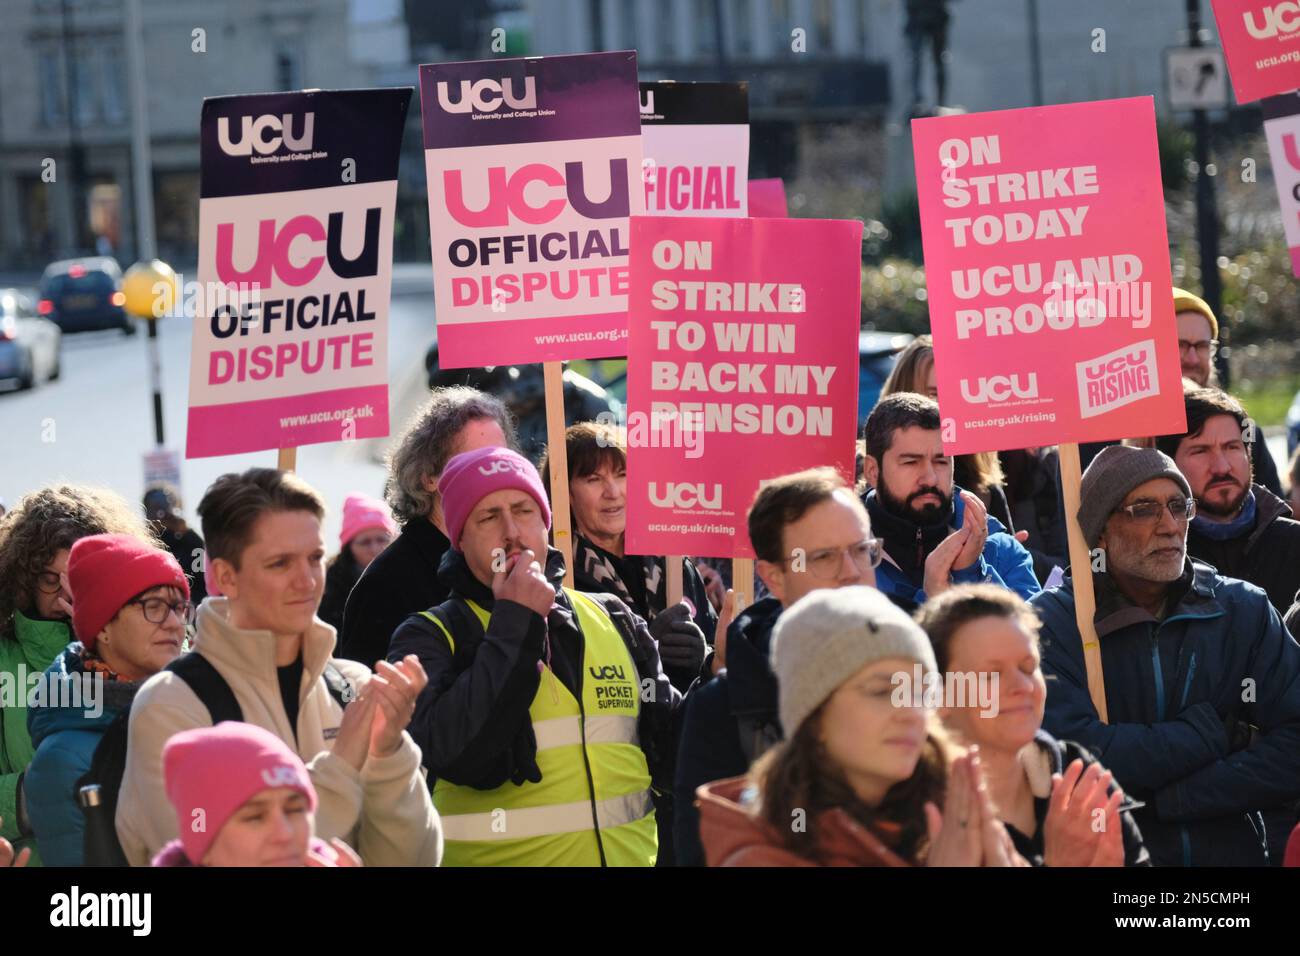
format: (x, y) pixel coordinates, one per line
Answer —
(107, 570)
(473, 475)
(219, 769)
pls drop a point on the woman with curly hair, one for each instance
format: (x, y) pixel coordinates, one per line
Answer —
(35, 613)
(859, 779)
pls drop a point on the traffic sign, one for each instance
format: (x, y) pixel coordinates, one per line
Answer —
(1196, 78)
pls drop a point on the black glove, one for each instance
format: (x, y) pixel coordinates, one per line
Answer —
(1241, 733)
(681, 642)
(523, 756)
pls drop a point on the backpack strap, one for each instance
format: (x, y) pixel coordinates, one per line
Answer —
(209, 686)
(452, 617)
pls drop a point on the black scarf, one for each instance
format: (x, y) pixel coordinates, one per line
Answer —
(637, 580)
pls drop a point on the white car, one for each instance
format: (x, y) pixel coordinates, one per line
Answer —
(30, 346)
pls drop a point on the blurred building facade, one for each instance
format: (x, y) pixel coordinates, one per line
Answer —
(63, 75)
(829, 84)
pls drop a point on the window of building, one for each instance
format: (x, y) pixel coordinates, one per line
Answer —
(741, 27)
(706, 28)
(111, 66)
(288, 66)
(627, 24)
(666, 48)
(781, 26)
(823, 21)
(86, 83)
(51, 78)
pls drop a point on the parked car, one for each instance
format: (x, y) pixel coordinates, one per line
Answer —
(81, 295)
(877, 353)
(523, 389)
(30, 346)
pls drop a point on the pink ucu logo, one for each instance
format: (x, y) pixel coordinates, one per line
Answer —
(280, 776)
(506, 195)
(498, 466)
(273, 251)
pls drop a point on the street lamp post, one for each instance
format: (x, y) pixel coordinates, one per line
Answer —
(1207, 214)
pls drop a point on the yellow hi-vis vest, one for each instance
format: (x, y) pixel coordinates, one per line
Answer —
(593, 806)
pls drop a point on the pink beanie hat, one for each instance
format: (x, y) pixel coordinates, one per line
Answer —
(219, 769)
(361, 513)
(472, 476)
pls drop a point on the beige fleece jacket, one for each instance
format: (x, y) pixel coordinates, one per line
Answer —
(384, 811)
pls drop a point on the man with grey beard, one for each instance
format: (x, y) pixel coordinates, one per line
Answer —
(1202, 680)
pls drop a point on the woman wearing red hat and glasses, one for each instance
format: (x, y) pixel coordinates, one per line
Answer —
(130, 608)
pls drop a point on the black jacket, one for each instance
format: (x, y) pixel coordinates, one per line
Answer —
(1268, 557)
(1179, 691)
(187, 548)
(743, 695)
(472, 720)
(1059, 755)
(1034, 496)
(402, 581)
(340, 579)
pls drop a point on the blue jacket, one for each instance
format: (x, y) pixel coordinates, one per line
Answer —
(65, 738)
(1004, 561)
(1185, 697)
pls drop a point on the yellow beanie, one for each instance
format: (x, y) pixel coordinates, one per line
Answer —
(1184, 301)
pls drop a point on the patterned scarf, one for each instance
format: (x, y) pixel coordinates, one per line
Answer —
(93, 665)
(600, 571)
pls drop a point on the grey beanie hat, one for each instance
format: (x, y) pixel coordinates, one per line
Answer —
(827, 636)
(1116, 471)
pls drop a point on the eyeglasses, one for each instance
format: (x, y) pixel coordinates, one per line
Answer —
(826, 563)
(155, 610)
(1150, 512)
(49, 582)
(1201, 348)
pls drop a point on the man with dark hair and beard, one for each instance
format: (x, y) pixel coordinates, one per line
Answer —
(936, 535)
(1241, 527)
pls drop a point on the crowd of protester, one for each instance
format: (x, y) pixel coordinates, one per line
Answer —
(432, 692)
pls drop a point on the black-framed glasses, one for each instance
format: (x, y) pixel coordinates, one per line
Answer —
(825, 563)
(1200, 348)
(156, 609)
(49, 582)
(1150, 512)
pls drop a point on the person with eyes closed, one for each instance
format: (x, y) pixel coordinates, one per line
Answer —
(262, 640)
(1202, 680)
(1059, 805)
(255, 799)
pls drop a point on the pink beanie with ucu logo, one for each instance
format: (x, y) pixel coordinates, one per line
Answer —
(472, 476)
(217, 770)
